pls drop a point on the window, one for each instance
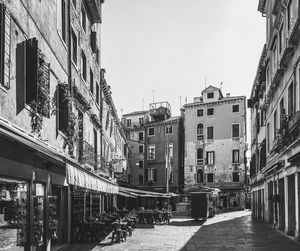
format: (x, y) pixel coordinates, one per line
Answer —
(281, 41)
(275, 124)
(210, 132)
(200, 156)
(268, 136)
(235, 156)
(91, 81)
(95, 148)
(169, 129)
(200, 176)
(210, 158)
(235, 177)
(97, 93)
(141, 135)
(74, 47)
(107, 121)
(141, 121)
(235, 108)
(151, 152)
(83, 18)
(170, 150)
(199, 112)
(74, 3)
(83, 65)
(151, 131)
(152, 174)
(141, 164)
(63, 109)
(141, 179)
(210, 177)
(210, 111)
(61, 19)
(291, 99)
(141, 148)
(128, 122)
(210, 95)
(200, 132)
(290, 14)
(4, 47)
(236, 131)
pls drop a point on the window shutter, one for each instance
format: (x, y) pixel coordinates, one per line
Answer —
(20, 76)
(63, 110)
(93, 41)
(154, 175)
(31, 65)
(45, 69)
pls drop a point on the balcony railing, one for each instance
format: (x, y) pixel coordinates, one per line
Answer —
(277, 76)
(200, 162)
(287, 54)
(87, 154)
(294, 122)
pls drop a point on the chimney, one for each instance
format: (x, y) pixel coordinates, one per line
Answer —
(227, 95)
(197, 99)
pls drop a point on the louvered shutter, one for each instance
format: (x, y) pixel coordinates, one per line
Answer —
(31, 62)
(154, 175)
(20, 76)
(146, 175)
(63, 110)
(94, 41)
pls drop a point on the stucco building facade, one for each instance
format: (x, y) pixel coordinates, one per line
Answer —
(275, 96)
(215, 144)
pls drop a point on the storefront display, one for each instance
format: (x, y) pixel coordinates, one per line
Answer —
(13, 214)
(53, 218)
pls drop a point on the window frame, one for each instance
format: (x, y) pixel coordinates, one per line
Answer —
(74, 47)
(148, 130)
(238, 108)
(141, 164)
(208, 176)
(210, 95)
(149, 152)
(83, 18)
(83, 66)
(233, 156)
(208, 134)
(167, 129)
(209, 158)
(235, 177)
(232, 130)
(210, 109)
(200, 112)
(171, 149)
(143, 136)
(141, 147)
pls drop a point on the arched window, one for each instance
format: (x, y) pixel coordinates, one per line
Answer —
(200, 132)
(199, 156)
(200, 176)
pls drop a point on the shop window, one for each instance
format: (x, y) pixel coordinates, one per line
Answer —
(141, 148)
(210, 132)
(141, 136)
(200, 176)
(4, 47)
(210, 177)
(236, 131)
(235, 177)
(235, 108)
(151, 152)
(199, 112)
(210, 111)
(151, 131)
(13, 214)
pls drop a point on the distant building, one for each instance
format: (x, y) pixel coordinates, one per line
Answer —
(275, 113)
(215, 144)
(149, 134)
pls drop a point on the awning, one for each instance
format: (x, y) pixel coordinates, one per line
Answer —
(143, 193)
(85, 179)
(128, 195)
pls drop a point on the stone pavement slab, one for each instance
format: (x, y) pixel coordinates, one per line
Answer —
(228, 231)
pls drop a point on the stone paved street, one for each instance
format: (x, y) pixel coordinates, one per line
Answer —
(228, 231)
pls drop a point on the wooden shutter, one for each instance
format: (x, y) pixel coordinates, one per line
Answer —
(20, 76)
(146, 175)
(154, 175)
(94, 41)
(63, 118)
(4, 46)
(31, 64)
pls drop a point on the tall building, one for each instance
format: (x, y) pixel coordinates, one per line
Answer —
(274, 104)
(152, 135)
(53, 176)
(215, 144)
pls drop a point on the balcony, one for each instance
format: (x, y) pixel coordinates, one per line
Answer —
(294, 122)
(287, 54)
(200, 137)
(277, 77)
(80, 93)
(200, 162)
(87, 156)
(235, 167)
(94, 7)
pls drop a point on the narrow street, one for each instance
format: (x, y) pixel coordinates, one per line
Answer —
(228, 231)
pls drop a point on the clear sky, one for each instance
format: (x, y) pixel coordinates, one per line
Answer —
(171, 46)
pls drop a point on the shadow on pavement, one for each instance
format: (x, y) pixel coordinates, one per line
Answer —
(233, 232)
(186, 223)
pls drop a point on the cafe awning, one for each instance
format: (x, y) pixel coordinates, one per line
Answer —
(83, 178)
(143, 193)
